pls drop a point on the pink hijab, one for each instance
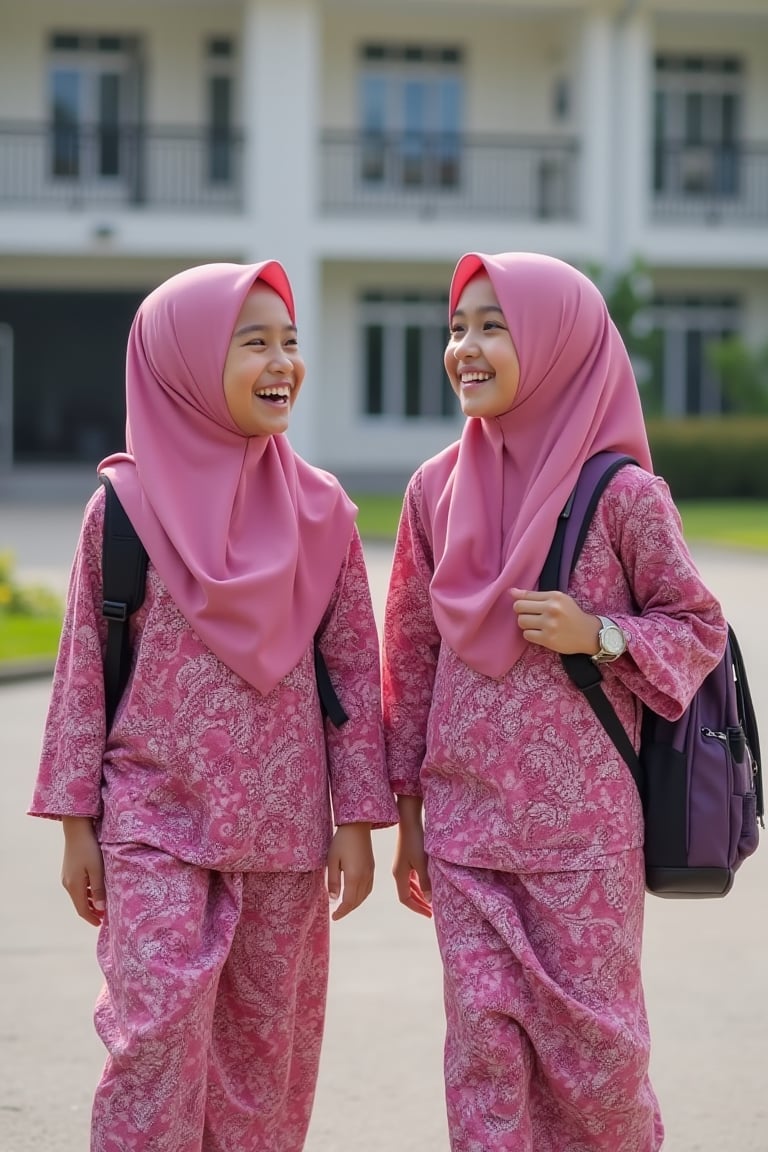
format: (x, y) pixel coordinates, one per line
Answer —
(493, 499)
(248, 538)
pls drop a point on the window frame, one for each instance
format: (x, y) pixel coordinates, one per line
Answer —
(100, 149)
(412, 388)
(679, 317)
(411, 137)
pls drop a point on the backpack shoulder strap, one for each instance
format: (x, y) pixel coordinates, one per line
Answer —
(124, 571)
(747, 720)
(576, 517)
(330, 705)
(570, 533)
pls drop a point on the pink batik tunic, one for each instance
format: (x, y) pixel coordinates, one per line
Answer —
(213, 805)
(534, 830)
(198, 763)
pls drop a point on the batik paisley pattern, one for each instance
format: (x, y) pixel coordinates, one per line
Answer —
(198, 763)
(213, 1007)
(547, 1042)
(214, 808)
(517, 774)
(534, 831)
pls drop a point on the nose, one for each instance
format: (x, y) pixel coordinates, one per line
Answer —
(281, 361)
(466, 348)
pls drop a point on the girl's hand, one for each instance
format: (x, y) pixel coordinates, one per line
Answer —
(554, 620)
(410, 864)
(350, 855)
(82, 872)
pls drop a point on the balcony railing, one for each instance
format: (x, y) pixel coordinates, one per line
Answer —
(707, 183)
(525, 177)
(64, 165)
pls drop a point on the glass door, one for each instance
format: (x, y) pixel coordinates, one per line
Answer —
(93, 101)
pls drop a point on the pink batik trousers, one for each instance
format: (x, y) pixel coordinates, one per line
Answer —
(213, 1007)
(547, 1043)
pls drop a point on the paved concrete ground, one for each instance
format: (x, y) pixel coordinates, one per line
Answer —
(380, 1088)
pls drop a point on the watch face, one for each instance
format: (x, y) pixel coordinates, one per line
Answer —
(612, 640)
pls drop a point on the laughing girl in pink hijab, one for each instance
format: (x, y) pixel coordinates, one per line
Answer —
(198, 827)
(530, 851)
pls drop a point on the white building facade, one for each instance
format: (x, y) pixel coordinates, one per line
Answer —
(366, 145)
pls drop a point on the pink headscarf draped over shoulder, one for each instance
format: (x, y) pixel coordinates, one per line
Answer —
(248, 538)
(492, 501)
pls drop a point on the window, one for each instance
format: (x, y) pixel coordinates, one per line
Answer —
(220, 111)
(687, 324)
(93, 96)
(404, 336)
(411, 109)
(698, 110)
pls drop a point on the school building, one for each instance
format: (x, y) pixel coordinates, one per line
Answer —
(366, 144)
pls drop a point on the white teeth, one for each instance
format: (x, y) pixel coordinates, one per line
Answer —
(279, 393)
(475, 377)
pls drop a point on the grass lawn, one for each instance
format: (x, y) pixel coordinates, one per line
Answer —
(28, 637)
(741, 524)
(378, 515)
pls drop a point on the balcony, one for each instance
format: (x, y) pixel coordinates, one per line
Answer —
(705, 184)
(71, 166)
(529, 178)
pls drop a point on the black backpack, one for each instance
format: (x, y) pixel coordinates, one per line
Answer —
(699, 777)
(124, 572)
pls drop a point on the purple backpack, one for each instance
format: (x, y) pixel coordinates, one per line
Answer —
(699, 777)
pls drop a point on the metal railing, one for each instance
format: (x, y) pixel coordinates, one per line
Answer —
(64, 165)
(533, 178)
(706, 183)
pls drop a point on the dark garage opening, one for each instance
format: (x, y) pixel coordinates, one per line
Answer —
(69, 373)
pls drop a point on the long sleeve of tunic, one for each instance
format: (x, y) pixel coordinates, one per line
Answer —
(517, 773)
(198, 763)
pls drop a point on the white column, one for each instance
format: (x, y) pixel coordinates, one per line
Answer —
(281, 110)
(632, 133)
(595, 107)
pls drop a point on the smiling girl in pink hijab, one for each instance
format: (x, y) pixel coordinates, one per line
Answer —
(198, 828)
(530, 854)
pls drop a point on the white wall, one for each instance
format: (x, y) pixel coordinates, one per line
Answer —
(346, 439)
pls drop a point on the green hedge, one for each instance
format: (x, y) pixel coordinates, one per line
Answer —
(708, 459)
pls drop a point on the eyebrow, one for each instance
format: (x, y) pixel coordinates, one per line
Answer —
(485, 308)
(262, 328)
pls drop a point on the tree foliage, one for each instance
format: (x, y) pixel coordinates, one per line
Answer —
(628, 294)
(743, 373)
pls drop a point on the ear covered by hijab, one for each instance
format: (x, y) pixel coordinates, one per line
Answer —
(248, 538)
(493, 502)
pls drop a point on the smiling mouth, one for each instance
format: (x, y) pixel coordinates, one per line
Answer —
(468, 378)
(279, 395)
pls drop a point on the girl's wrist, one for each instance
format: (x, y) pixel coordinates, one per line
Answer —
(77, 825)
(409, 809)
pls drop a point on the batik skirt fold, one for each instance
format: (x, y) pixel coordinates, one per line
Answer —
(547, 1042)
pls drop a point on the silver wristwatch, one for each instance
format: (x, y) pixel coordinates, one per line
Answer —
(612, 641)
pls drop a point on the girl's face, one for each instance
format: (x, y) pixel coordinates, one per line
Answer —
(263, 370)
(480, 359)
